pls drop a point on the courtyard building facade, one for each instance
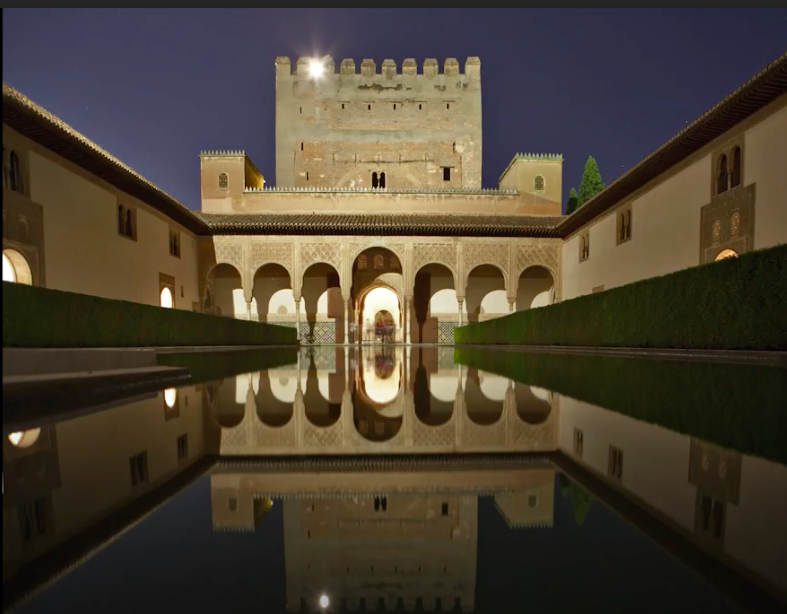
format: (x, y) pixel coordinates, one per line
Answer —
(379, 229)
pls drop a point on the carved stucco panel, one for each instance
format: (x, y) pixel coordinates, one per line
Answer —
(231, 253)
(439, 253)
(266, 253)
(476, 254)
(321, 252)
(538, 255)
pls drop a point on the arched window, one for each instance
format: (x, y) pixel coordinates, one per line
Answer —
(726, 253)
(362, 262)
(735, 224)
(375, 183)
(379, 262)
(129, 224)
(15, 268)
(167, 300)
(224, 181)
(539, 183)
(15, 173)
(382, 180)
(721, 181)
(736, 168)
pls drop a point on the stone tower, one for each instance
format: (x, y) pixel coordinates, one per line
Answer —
(386, 129)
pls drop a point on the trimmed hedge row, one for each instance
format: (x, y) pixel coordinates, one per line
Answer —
(733, 304)
(736, 407)
(44, 318)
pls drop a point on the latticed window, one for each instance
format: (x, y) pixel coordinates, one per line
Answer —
(379, 262)
(539, 183)
(716, 231)
(224, 181)
(735, 224)
(363, 262)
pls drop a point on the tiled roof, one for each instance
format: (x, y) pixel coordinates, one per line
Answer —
(40, 126)
(758, 92)
(415, 224)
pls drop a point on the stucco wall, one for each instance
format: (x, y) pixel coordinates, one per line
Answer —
(85, 253)
(666, 218)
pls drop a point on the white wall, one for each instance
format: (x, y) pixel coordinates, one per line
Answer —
(84, 252)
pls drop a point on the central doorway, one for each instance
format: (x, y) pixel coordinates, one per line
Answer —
(381, 316)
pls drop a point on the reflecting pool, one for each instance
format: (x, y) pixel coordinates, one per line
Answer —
(397, 479)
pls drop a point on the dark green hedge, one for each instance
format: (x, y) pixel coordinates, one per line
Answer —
(734, 304)
(40, 317)
(737, 407)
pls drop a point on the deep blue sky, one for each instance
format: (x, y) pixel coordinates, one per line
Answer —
(155, 86)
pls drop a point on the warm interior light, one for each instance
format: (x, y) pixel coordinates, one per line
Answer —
(9, 274)
(167, 301)
(324, 601)
(170, 396)
(316, 69)
(24, 439)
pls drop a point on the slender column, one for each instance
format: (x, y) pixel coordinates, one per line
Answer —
(408, 305)
(298, 317)
(461, 302)
(346, 320)
(511, 305)
(248, 310)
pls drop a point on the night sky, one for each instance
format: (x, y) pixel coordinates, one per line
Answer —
(154, 87)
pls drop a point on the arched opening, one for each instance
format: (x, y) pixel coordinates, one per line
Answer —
(435, 305)
(226, 292)
(378, 405)
(536, 288)
(726, 253)
(434, 393)
(317, 397)
(533, 405)
(24, 439)
(15, 268)
(166, 300)
(538, 184)
(272, 298)
(382, 180)
(486, 294)
(380, 316)
(735, 179)
(170, 397)
(721, 181)
(222, 398)
(375, 268)
(375, 181)
(276, 396)
(485, 396)
(323, 305)
(224, 181)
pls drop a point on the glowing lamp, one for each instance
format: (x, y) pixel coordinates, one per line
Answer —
(324, 601)
(316, 69)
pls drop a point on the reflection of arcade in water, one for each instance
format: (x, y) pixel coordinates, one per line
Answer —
(379, 399)
(382, 535)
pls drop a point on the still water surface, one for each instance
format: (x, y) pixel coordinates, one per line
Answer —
(399, 480)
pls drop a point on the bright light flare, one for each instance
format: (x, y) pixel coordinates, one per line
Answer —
(316, 68)
(324, 601)
(170, 397)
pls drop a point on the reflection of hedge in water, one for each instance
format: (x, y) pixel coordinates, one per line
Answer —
(207, 366)
(581, 500)
(737, 407)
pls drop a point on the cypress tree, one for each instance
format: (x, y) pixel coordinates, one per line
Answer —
(573, 201)
(591, 183)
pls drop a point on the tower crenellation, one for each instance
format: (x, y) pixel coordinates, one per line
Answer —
(413, 125)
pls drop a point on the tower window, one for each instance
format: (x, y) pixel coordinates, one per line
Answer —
(300, 110)
(382, 180)
(584, 247)
(301, 146)
(394, 106)
(368, 107)
(447, 105)
(127, 222)
(307, 175)
(375, 181)
(446, 173)
(538, 184)
(224, 181)
(342, 105)
(420, 107)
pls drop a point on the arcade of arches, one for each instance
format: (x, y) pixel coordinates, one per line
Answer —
(351, 291)
(357, 399)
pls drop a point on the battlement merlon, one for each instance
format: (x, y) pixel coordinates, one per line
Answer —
(368, 69)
